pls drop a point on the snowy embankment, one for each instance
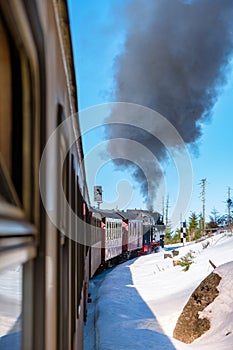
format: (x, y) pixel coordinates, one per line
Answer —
(10, 298)
(139, 302)
(10, 307)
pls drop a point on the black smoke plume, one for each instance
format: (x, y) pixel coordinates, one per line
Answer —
(175, 60)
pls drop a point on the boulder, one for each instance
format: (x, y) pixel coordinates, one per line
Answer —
(189, 325)
(168, 255)
(175, 252)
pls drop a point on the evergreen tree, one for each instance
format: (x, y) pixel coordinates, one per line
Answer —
(176, 236)
(194, 228)
(215, 216)
(214, 219)
(171, 236)
(168, 234)
(193, 222)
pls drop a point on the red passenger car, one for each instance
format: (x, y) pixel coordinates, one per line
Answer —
(111, 235)
(132, 227)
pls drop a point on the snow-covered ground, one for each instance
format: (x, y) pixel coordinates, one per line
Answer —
(10, 308)
(10, 298)
(137, 304)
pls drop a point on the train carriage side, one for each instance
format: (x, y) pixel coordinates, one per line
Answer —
(132, 226)
(111, 236)
(38, 92)
(95, 241)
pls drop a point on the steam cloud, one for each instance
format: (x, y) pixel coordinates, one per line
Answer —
(175, 60)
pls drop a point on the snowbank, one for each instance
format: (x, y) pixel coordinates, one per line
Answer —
(139, 302)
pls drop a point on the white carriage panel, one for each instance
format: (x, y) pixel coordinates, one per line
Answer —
(95, 257)
(113, 241)
(135, 235)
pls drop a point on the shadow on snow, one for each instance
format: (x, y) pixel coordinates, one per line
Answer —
(123, 319)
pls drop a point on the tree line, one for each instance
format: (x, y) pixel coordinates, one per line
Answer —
(194, 226)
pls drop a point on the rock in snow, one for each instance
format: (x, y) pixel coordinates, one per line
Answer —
(190, 324)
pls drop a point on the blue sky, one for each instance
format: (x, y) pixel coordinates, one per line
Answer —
(97, 38)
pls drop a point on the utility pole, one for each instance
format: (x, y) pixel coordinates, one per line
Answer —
(229, 204)
(203, 185)
(163, 210)
(167, 206)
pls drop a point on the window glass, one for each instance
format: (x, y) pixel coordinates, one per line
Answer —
(5, 97)
(6, 192)
(11, 112)
(107, 230)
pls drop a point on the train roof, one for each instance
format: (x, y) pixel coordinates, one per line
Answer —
(142, 211)
(105, 213)
(145, 216)
(128, 215)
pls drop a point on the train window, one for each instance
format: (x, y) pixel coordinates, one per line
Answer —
(7, 193)
(15, 134)
(10, 109)
(17, 234)
(110, 230)
(5, 97)
(105, 230)
(61, 176)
